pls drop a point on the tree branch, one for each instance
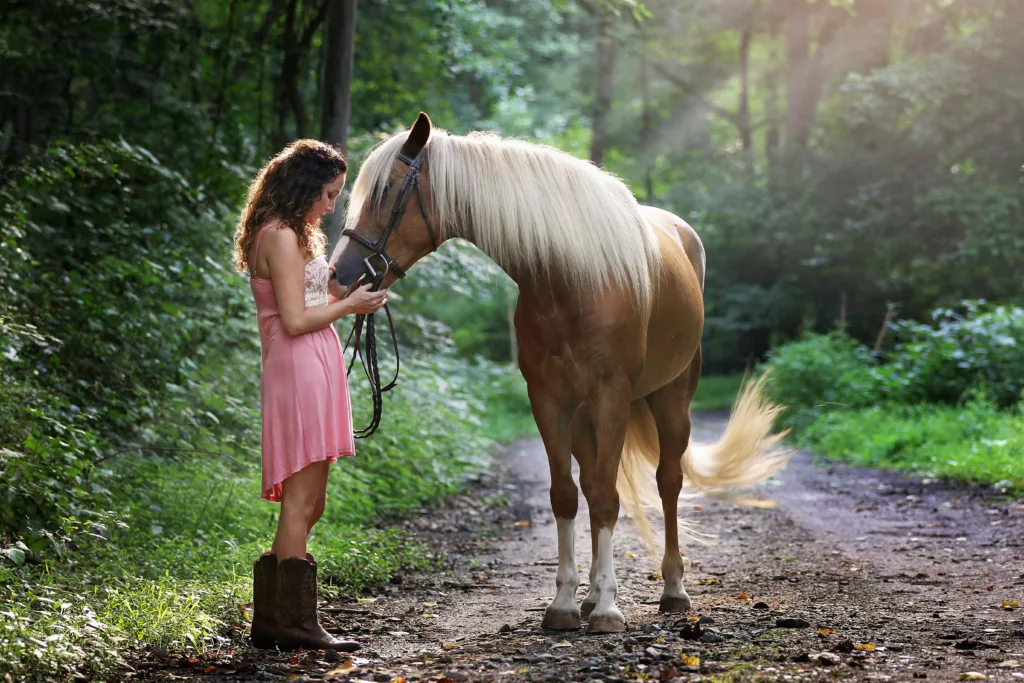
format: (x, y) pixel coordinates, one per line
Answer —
(314, 24)
(258, 38)
(733, 117)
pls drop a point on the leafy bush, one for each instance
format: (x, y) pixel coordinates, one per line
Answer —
(978, 347)
(116, 294)
(819, 373)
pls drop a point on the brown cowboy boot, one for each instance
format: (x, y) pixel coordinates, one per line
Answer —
(264, 602)
(297, 622)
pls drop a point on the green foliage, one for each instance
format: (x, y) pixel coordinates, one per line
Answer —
(717, 392)
(947, 402)
(819, 374)
(973, 347)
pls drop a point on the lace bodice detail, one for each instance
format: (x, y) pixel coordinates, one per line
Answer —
(317, 273)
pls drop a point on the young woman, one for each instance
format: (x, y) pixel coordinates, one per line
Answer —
(307, 419)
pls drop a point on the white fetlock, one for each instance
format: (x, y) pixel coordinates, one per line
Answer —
(562, 613)
(674, 598)
(605, 617)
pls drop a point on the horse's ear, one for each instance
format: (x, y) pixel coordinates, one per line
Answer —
(418, 136)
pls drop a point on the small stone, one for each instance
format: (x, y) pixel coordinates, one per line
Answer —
(826, 659)
(710, 636)
(791, 622)
(761, 605)
(456, 676)
(505, 628)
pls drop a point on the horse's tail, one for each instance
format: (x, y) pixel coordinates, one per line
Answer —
(743, 456)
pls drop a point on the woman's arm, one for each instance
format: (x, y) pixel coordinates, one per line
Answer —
(288, 273)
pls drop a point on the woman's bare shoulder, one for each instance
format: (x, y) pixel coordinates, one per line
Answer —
(281, 237)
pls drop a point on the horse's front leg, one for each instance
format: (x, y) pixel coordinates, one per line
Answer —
(609, 411)
(553, 420)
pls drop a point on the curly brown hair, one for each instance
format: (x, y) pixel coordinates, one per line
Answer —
(286, 189)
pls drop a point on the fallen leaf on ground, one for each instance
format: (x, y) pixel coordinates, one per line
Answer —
(689, 660)
(366, 601)
(430, 604)
(630, 555)
(866, 647)
(705, 582)
(745, 596)
(428, 616)
(826, 632)
(973, 676)
(693, 618)
(563, 643)
(448, 646)
(1011, 604)
(210, 669)
(523, 523)
(346, 665)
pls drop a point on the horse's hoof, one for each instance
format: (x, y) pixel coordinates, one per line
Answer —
(586, 608)
(675, 604)
(561, 620)
(606, 623)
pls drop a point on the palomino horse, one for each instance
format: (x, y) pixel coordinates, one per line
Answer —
(609, 323)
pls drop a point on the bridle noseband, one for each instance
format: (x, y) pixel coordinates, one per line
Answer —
(409, 183)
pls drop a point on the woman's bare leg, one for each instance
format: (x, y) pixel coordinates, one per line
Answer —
(298, 501)
(321, 499)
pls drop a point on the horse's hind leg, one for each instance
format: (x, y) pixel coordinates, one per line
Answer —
(553, 423)
(670, 406)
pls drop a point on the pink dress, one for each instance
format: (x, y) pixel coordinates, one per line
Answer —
(307, 415)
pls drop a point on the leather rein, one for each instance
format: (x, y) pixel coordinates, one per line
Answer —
(410, 183)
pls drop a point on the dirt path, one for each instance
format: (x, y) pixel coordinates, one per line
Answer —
(881, 578)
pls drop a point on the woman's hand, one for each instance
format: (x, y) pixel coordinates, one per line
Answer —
(363, 301)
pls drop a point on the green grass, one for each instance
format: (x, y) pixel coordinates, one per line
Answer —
(716, 392)
(974, 443)
(167, 562)
(507, 414)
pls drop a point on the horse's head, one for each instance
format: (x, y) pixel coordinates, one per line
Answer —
(388, 228)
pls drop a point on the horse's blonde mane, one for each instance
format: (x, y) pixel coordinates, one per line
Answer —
(529, 207)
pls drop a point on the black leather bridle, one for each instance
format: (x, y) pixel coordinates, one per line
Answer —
(377, 247)
(409, 183)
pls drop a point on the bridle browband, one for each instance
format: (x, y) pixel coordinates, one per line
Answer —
(409, 183)
(369, 363)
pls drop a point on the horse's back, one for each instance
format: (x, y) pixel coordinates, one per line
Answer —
(682, 233)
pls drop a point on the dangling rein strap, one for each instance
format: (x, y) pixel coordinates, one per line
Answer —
(369, 363)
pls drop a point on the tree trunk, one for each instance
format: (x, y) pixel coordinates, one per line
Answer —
(808, 73)
(603, 96)
(222, 68)
(746, 134)
(645, 121)
(339, 56)
(798, 59)
(771, 84)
